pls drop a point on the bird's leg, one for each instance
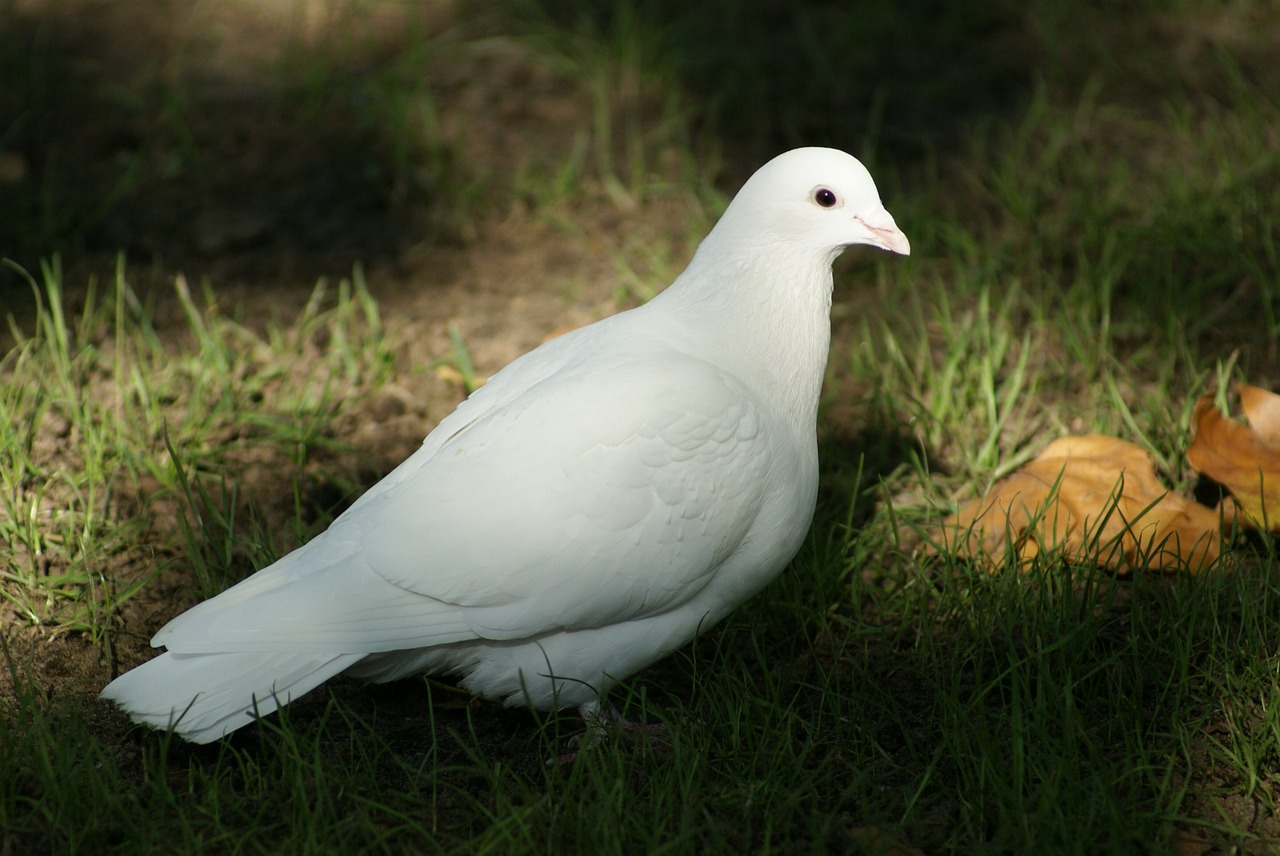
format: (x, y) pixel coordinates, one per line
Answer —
(603, 719)
(602, 716)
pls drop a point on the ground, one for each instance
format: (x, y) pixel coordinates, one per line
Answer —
(497, 187)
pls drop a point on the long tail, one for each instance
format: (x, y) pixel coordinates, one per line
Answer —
(203, 697)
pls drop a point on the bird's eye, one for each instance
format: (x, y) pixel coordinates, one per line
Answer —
(824, 197)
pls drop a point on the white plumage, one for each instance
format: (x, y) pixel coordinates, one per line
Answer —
(594, 506)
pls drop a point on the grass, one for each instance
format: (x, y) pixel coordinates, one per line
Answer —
(1089, 254)
(143, 421)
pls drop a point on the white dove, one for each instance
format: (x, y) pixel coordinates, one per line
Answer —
(589, 510)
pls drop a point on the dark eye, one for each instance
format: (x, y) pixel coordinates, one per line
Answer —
(824, 197)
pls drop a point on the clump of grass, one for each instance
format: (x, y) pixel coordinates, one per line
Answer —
(137, 420)
(639, 138)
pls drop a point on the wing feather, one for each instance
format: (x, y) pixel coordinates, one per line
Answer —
(576, 504)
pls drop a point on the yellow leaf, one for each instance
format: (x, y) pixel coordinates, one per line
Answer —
(1245, 459)
(1093, 499)
(1262, 409)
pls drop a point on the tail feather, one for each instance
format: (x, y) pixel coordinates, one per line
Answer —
(203, 697)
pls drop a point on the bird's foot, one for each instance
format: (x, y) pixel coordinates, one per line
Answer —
(604, 721)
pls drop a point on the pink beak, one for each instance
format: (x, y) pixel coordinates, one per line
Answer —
(885, 233)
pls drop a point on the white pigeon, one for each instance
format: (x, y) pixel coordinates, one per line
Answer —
(589, 510)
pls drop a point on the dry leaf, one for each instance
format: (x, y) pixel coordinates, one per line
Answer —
(1262, 409)
(1245, 459)
(1094, 499)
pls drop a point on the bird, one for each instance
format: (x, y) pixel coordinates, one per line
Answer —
(592, 508)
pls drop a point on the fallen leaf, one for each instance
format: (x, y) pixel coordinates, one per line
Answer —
(1262, 408)
(1245, 459)
(1092, 499)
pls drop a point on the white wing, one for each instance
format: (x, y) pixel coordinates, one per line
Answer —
(595, 495)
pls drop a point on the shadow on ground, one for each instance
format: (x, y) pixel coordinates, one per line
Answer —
(257, 143)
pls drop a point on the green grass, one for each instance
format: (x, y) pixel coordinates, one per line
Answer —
(1094, 246)
(141, 420)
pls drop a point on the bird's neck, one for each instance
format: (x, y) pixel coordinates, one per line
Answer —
(762, 313)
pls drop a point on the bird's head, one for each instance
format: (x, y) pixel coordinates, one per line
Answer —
(817, 198)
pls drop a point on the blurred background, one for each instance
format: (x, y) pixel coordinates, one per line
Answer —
(264, 144)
